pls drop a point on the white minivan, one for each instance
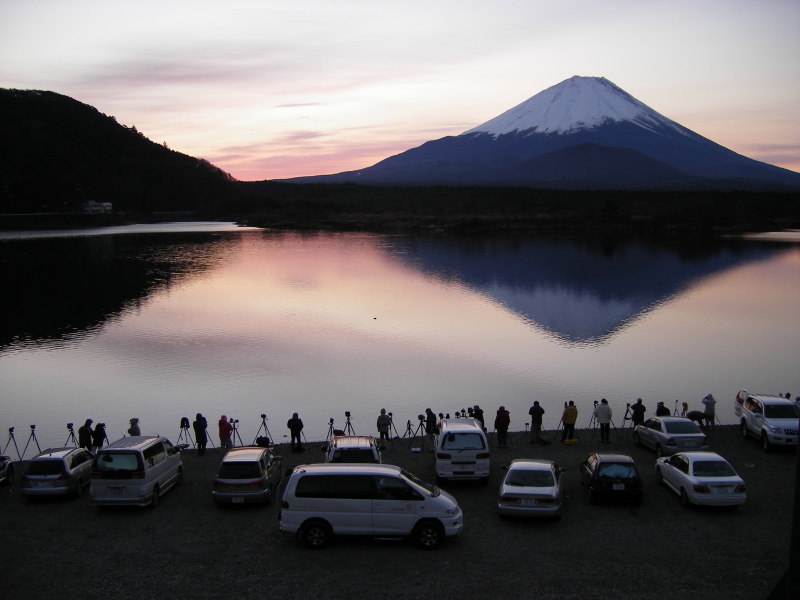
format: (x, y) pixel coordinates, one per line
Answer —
(462, 450)
(135, 470)
(323, 500)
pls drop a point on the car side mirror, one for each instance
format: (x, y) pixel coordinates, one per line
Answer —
(504, 467)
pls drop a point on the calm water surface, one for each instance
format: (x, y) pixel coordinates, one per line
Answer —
(160, 322)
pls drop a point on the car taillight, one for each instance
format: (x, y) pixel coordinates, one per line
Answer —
(259, 482)
(482, 455)
(137, 475)
(284, 504)
(64, 476)
(96, 475)
(443, 456)
(702, 489)
(509, 500)
(740, 489)
(671, 442)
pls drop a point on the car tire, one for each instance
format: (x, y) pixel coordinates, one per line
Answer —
(659, 477)
(745, 433)
(156, 496)
(428, 535)
(636, 441)
(685, 499)
(316, 534)
(766, 446)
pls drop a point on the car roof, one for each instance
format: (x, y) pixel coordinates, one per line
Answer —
(54, 453)
(244, 454)
(693, 456)
(672, 419)
(456, 425)
(612, 457)
(347, 469)
(531, 463)
(353, 441)
(133, 442)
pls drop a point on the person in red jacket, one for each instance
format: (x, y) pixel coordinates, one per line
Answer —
(225, 429)
(501, 423)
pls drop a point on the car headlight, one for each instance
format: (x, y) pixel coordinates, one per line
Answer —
(454, 512)
(774, 429)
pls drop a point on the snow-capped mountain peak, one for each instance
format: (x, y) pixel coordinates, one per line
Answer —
(578, 103)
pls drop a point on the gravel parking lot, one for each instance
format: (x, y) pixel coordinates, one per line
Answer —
(188, 548)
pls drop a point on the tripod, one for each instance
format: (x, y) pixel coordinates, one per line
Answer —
(331, 432)
(185, 436)
(628, 416)
(348, 426)
(393, 428)
(71, 436)
(11, 438)
(32, 436)
(265, 428)
(235, 434)
(593, 420)
(412, 433)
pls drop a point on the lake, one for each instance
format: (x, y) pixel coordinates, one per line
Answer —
(164, 321)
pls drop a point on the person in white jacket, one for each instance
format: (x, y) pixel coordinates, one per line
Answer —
(709, 403)
(602, 416)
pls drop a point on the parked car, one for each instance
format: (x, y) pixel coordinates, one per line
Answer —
(353, 449)
(462, 450)
(58, 471)
(324, 500)
(135, 470)
(773, 420)
(667, 435)
(608, 475)
(247, 474)
(701, 478)
(6, 469)
(531, 488)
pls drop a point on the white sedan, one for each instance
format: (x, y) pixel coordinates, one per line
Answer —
(701, 478)
(531, 488)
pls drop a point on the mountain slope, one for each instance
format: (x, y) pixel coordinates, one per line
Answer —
(578, 111)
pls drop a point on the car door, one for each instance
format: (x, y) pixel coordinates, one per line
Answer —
(650, 432)
(394, 506)
(674, 471)
(587, 469)
(274, 470)
(83, 465)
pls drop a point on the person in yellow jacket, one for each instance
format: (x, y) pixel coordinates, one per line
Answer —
(568, 418)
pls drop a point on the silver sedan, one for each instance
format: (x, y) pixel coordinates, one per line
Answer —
(531, 488)
(701, 478)
(668, 435)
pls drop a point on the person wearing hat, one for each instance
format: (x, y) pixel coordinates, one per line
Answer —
(200, 436)
(501, 423)
(85, 435)
(134, 428)
(602, 416)
(295, 425)
(661, 410)
(225, 430)
(536, 412)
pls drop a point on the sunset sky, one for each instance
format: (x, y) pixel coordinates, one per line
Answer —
(268, 89)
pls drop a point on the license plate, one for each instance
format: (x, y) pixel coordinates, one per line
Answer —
(237, 500)
(529, 503)
(464, 467)
(115, 491)
(44, 484)
(722, 490)
(618, 487)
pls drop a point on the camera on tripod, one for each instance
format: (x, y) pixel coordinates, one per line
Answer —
(33, 427)
(184, 422)
(330, 421)
(69, 426)
(263, 415)
(232, 420)
(421, 417)
(10, 430)
(347, 414)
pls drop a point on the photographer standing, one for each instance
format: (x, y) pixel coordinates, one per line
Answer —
(134, 428)
(98, 436)
(501, 423)
(295, 425)
(536, 412)
(225, 430)
(85, 435)
(637, 413)
(431, 429)
(201, 438)
(569, 417)
(384, 422)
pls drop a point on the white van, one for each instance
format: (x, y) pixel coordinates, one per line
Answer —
(323, 500)
(462, 450)
(135, 470)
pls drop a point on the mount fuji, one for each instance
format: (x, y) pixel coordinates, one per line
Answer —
(583, 133)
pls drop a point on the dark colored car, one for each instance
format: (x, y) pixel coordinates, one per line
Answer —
(609, 475)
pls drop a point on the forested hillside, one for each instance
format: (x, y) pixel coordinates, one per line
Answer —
(56, 153)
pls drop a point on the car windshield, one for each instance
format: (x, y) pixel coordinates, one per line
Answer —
(45, 467)
(239, 470)
(118, 461)
(353, 455)
(431, 489)
(781, 411)
(617, 470)
(463, 441)
(713, 468)
(528, 478)
(682, 427)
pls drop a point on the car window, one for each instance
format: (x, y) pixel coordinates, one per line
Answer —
(354, 487)
(591, 462)
(617, 470)
(682, 427)
(169, 447)
(683, 464)
(781, 411)
(353, 455)
(118, 461)
(653, 424)
(530, 478)
(432, 490)
(154, 454)
(713, 468)
(392, 488)
(45, 467)
(239, 470)
(463, 441)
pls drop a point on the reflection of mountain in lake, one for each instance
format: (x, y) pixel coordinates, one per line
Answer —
(580, 291)
(62, 288)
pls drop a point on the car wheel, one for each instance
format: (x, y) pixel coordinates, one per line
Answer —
(156, 493)
(636, 441)
(428, 535)
(659, 451)
(316, 534)
(744, 429)
(685, 499)
(659, 477)
(765, 444)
